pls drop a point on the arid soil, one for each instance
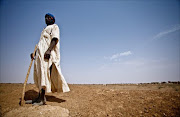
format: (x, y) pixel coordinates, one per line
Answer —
(117, 100)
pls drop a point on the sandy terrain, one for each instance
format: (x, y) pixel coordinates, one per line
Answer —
(95, 100)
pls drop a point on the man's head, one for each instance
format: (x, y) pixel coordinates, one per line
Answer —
(49, 19)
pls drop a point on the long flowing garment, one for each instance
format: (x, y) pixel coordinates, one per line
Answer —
(55, 81)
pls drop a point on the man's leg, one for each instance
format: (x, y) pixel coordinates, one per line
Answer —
(41, 100)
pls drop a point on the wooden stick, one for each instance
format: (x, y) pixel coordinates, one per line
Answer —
(25, 82)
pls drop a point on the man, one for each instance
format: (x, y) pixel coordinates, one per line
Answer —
(47, 71)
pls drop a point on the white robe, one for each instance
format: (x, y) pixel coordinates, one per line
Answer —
(54, 82)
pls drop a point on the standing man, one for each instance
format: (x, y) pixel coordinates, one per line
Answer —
(47, 71)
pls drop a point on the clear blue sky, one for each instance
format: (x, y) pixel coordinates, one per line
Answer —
(103, 41)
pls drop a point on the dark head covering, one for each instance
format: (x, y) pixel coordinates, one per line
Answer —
(53, 18)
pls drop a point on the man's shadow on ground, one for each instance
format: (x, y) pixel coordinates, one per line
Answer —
(32, 94)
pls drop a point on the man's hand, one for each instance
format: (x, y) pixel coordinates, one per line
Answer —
(31, 55)
(47, 54)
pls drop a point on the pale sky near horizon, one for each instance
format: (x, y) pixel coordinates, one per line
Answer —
(103, 41)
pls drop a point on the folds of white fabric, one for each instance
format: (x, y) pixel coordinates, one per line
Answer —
(55, 81)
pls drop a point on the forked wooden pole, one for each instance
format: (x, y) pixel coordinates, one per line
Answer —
(25, 82)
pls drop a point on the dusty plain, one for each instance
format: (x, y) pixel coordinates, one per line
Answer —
(113, 100)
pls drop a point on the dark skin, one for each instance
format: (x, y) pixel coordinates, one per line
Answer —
(52, 45)
(54, 41)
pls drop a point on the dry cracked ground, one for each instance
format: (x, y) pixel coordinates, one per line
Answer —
(115, 100)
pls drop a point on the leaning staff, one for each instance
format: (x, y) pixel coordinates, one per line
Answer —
(25, 82)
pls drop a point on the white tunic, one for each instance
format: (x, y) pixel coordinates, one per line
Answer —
(54, 82)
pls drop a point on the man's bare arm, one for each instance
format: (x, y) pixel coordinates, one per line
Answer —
(47, 54)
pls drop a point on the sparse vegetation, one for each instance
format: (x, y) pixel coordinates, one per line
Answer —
(113, 100)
